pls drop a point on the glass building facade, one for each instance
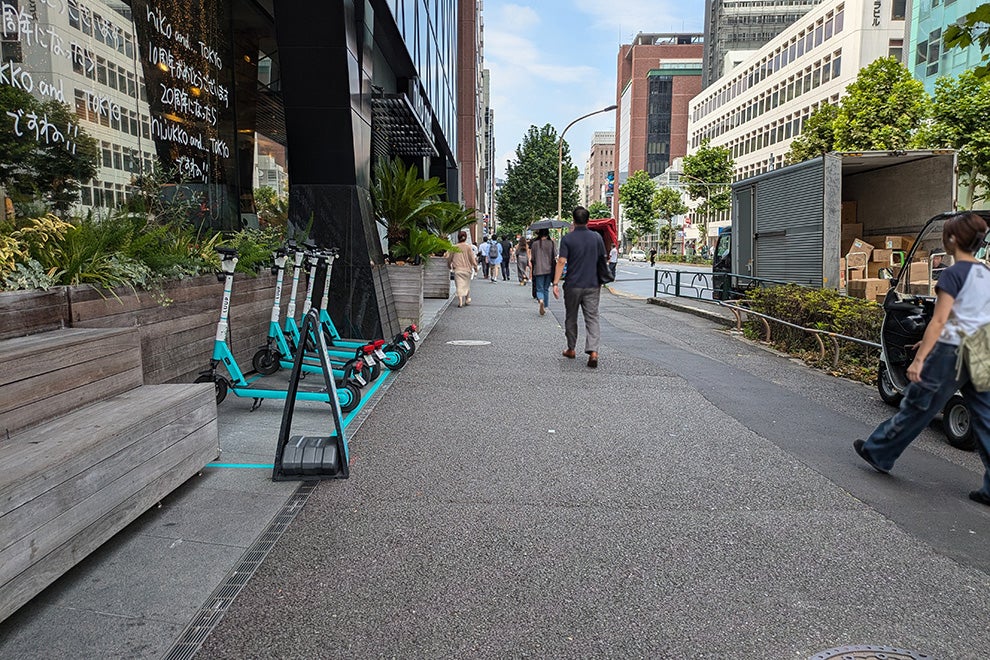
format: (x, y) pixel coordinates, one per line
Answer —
(925, 56)
(210, 100)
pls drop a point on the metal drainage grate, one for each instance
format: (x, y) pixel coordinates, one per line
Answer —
(216, 605)
(869, 652)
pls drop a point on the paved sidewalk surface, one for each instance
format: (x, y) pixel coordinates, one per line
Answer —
(507, 502)
(696, 496)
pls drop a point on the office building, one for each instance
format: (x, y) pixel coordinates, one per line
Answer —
(601, 163)
(227, 95)
(658, 74)
(471, 90)
(757, 109)
(925, 55)
(734, 28)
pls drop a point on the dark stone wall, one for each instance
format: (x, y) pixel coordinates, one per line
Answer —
(325, 51)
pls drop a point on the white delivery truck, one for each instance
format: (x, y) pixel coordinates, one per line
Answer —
(787, 224)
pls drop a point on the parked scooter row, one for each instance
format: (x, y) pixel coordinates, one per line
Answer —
(355, 363)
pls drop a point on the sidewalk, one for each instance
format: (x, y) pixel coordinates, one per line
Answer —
(693, 497)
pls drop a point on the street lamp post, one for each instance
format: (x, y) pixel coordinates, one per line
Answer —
(560, 156)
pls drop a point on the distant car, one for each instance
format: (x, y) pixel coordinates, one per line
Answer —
(637, 255)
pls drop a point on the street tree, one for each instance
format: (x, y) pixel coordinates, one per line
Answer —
(530, 190)
(708, 173)
(668, 203)
(636, 197)
(45, 171)
(972, 28)
(599, 209)
(961, 121)
(817, 137)
(883, 109)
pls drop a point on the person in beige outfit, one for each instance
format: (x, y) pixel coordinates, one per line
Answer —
(463, 262)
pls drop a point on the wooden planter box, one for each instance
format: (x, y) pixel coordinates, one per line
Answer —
(176, 340)
(436, 279)
(407, 292)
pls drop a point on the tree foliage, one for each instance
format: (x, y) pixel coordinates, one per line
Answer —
(32, 169)
(883, 109)
(708, 173)
(972, 28)
(636, 197)
(409, 205)
(599, 209)
(817, 137)
(530, 190)
(961, 121)
(667, 203)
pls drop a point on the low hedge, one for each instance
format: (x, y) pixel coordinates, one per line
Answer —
(821, 309)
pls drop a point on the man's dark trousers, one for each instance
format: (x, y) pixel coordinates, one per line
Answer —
(587, 300)
(505, 268)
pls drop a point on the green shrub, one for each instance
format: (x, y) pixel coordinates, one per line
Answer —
(821, 309)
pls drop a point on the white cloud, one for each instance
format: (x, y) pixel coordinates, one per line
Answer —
(520, 18)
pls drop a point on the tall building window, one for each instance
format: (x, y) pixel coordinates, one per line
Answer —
(895, 49)
(897, 9)
(661, 94)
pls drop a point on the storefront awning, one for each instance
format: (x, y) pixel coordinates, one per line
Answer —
(397, 130)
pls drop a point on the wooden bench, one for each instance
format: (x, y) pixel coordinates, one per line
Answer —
(86, 449)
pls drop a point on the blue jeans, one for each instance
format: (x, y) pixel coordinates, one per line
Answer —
(542, 283)
(922, 401)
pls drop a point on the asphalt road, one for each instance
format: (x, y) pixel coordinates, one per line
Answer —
(696, 496)
(637, 278)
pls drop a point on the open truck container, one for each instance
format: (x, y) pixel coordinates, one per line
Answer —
(787, 223)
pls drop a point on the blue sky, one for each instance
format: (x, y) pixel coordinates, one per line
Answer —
(552, 61)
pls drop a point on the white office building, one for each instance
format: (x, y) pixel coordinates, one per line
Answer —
(759, 107)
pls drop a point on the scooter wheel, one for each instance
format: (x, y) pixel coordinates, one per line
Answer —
(395, 358)
(888, 393)
(219, 383)
(408, 352)
(348, 396)
(956, 424)
(266, 361)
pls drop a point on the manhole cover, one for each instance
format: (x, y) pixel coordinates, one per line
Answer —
(469, 342)
(869, 652)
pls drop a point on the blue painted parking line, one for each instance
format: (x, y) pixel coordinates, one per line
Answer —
(248, 466)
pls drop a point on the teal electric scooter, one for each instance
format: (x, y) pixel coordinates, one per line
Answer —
(278, 351)
(392, 357)
(348, 395)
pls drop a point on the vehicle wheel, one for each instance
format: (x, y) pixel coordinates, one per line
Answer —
(395, 357)
(219, 383)
(372, 373)
(348, 396)
(885, 386)
(266, 361)
(956, 424)
(408, 352)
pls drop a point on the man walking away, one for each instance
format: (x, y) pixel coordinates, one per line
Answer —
(506, 257)
(653, 257)
(542, 254)
(580, 250)
(613, 259)
(483, 256)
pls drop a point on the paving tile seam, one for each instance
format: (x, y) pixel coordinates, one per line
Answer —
(117, 615)
(166, 537)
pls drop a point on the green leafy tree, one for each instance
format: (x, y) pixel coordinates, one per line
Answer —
(817, 137)
(530, 190)
(636, 197)
(972, 28)
(961, 121)
(708, 173)
(668, 203)
(599, 209)
(273, 209)
(883, 109)
(33, 168)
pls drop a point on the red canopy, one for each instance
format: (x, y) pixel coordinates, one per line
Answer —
(609, 230)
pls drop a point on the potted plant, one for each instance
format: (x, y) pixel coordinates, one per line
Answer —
(409, 207)
(446, 221)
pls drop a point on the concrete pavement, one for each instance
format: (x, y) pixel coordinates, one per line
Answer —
(695, 496)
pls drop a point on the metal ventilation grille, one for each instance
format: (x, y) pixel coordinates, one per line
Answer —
(397, 130)
(216, 605)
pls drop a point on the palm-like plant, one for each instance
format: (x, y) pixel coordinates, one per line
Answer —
(406, 203)
(451, 219)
